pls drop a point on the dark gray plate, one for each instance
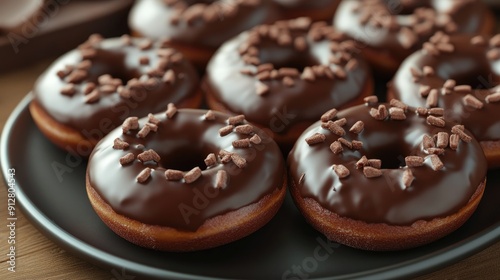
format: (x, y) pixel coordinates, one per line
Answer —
(286, 248)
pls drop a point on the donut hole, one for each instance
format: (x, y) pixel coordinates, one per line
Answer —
(111, 63)
(183, 158)
(285, 57)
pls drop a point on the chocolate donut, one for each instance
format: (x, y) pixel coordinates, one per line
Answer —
(392, 30)
(282, 76)
(197, 28)
(186, 179)
(91, 90)
(317, 10)
(18, 14)
(386, 176)
(463, 80)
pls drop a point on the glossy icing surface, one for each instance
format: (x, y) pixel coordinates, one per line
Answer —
(468, 64)
(386, 198)
(156, 19)
(283, 105)
(399, 28)
(15, 13)
(148, 90)
(183, 142)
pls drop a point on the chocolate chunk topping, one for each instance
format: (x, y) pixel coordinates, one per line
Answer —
(357, 127)
(472, 101)
(126, 159)
(221, 179)
(341, 171)
(238, 160)
(334, 128)
(315, 139)
(171, 110)
(435, 121)
(173, 175)
(414, 161)
(211, 160)
(192, 175)
(436, 162)
(226, 130)
(119, 144)
(130, 123)
(329, 115)
(408, 178)
(255, 139)
(336, 147)
(371, 172)
(241, 143)
(144, 175)
(210, 116)
(244, 129)
(149, 155)
(236, 120)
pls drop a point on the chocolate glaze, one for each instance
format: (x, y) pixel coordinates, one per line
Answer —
(182, 143)
(66, 22)
(111, 109)
(303, 7)
(284, 106)
(153, 19)
(467, 16)
(433, 194)
(468, 65)
(14, 14)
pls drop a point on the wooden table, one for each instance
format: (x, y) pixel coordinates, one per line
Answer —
(40, 258)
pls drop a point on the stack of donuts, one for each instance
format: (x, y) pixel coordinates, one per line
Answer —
(197, 123)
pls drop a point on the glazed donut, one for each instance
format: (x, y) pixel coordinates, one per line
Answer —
(317, 10)
(392, 30)
(464, 81)
(89, 91)
(16, 15)
(197, 28)
(386, 176)
(281, 76)
(186, 180)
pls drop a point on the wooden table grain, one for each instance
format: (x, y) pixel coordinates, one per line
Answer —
(37, 257)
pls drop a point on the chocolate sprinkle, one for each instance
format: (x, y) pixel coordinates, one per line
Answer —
(371, 172)
(119, 144)
(149, 155)
(238, 160)
(171, 110)
(211, 160)
(472, 101)
(315, 139)
(442, 140)
(357, 127)
(454, 141)
(173, 175)
(341, 171)
(436, 162)
(126, 159)
(130, 123)
(209, 115)
(329, 115)
(414, 161)
(241, 143)
(336, 147)
(221, 179)
(334, 128)
(408, 178)
(459, 130)
(236, 120)
(192, 175)
(144, 175)
(226, 130)
(435, 121)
